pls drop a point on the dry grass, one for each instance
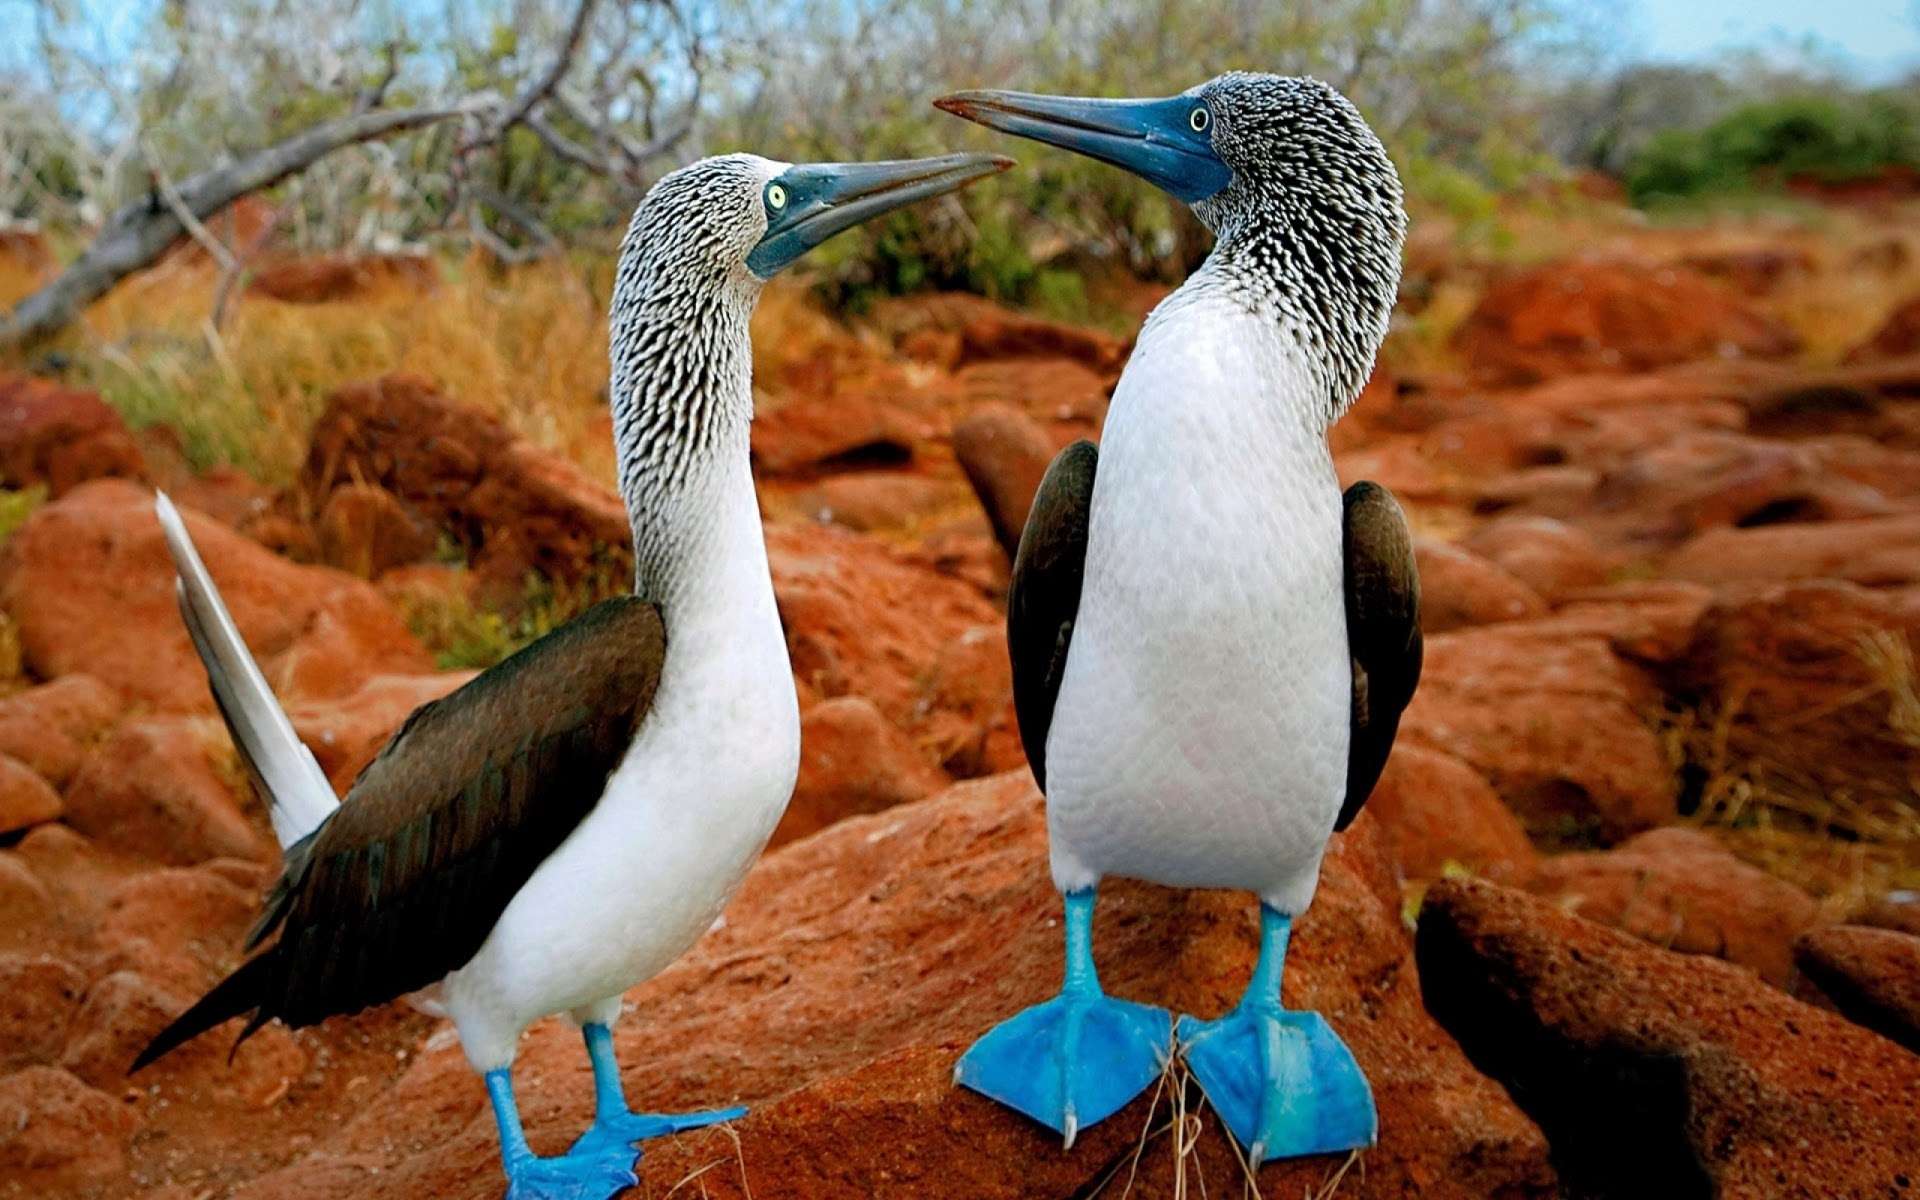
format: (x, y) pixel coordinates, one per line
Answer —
(528, 344)
(1845, 850)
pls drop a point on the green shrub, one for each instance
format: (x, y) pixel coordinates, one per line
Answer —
(1762, 145)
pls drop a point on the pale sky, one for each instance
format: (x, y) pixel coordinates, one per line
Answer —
(1875, 40)
(1878, 39)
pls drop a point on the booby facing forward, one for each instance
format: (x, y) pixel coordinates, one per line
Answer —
(1211, 645)
(570, 821)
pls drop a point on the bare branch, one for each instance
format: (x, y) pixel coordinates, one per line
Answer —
(163, 187)
(139, 233)
(543, 87)
(370, 98)
(518, 215)
(566, 147)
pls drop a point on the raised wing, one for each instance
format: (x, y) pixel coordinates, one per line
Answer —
(1383, 633)
(404, 881)
(1044, 595)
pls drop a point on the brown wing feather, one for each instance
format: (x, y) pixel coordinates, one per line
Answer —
(404, 881)
(1383, 633)
(1044, 595)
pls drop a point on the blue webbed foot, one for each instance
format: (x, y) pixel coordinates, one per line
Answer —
(574, 1176)
(615, 1126)
(1284, 1082)
(1077, 1059)
(619, 1131)
(1071, 1062)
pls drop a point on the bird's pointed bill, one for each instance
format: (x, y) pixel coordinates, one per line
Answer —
(1162, 141)
(808, 204)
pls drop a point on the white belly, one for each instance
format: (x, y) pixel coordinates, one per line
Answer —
(1200, 735)
(682, 820)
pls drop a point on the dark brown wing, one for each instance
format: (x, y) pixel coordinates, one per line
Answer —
(1383, 633)
(1044, 596)
(404, 881)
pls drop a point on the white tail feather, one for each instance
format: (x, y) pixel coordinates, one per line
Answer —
(298, 794)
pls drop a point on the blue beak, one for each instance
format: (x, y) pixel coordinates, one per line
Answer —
(1155, 139)
(815, 202)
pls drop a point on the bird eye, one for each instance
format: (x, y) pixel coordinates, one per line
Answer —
(776, 197)
(1200, 118)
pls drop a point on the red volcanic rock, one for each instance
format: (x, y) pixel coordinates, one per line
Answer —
(852, 761)
(874, 500)
(1581, 316)
(61, 436)
(1681, 889)
(90, 585)
(364, 530)
(345, 734)
(1898, 338)
(330, 278)
(1898, 910)
(1799, 674)
(862, 620)
(985, 331)
(1459, 588)
(1435, 813)
(1395, 463)
(227, 494)
(50, 1120)
(1549, 720)
(123, 1011)
(1005, 454)
(25, 248)
(1067, 399)
(1710, 480)
(1751, 272)
(25, 903)
(1645, 620)
(808, 432)
(1876, 551)
(1872, 975)
(1549, 556)
(1561, 491)
(1885, 187)
(856, 965)
(170, 924)
(72, 876)
(1658, 1074)
(50, 727)
(992, 332)
(38, 995)
(512, 507)
(969, 694)
(1893, 472)
(153, 790)
(26, 799)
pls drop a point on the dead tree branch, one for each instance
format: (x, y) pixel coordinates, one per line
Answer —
(543, 86)
(138, 233)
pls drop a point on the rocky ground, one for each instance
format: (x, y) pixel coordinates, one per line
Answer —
(1631, 914)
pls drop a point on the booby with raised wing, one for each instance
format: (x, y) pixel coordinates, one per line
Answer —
(569, 822)
(1211, 645)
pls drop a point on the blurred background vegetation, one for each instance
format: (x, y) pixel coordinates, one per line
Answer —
(1474, 98)
(1500, 113)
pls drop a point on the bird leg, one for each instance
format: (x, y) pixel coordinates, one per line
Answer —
(616, 1126)
(1077, 1059)
(1283, 1082)
(593, 1174)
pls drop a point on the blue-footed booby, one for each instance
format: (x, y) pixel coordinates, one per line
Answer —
(569, 822)
(1211, 645)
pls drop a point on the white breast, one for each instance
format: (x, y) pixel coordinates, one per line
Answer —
(684, 816)
(1200, 735)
